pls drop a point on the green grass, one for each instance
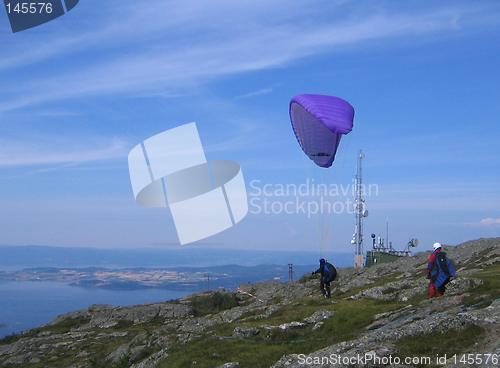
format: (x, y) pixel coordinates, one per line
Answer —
(477, 259)
(97, 362)
(213, 303)
(217, 346)
(380, 281)
(252, 314)
(264, 349)
(453, 341)
(98, 349)
(60, 328)
(485, 294)
(123, 324)
(449, 343)
(67, 324)
(9, 339)
(307, 277)
(389, 290)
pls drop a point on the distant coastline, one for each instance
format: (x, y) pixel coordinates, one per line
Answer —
(176, 279)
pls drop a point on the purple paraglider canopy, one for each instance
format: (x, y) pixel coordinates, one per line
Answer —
(319, 122)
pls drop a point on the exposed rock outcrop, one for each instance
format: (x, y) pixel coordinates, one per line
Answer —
(371, 313)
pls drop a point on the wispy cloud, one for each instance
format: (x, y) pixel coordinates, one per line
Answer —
(490, 221)
(58, 150)
(259, 92)
(154, 57)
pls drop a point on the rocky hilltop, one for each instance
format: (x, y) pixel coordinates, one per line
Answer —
(379, 312)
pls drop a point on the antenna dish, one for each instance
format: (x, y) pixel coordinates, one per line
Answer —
(413, 243)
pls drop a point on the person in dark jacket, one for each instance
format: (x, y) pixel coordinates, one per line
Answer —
(328, 274)
(433, 291)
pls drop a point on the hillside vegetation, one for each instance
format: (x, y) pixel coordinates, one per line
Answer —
(381, 310)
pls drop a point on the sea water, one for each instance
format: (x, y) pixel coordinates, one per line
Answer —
(28, 304)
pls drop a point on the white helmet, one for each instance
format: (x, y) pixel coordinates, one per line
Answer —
(436, 245)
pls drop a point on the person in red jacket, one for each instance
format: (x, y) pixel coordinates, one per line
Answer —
(433, 291)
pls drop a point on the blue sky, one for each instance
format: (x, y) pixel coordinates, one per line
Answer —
(77, 93)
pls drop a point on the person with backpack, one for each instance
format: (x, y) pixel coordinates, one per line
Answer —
(439, 271)
(328, 273)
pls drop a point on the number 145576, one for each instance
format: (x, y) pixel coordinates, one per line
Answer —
(29, 8)
(476, 359)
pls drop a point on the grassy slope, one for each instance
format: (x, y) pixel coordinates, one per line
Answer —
(438, 344)
(264, 349)
(456, 342)
(483, 295)
(217, 346)
(351, 316)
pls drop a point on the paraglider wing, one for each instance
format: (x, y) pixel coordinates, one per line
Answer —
(319, 123)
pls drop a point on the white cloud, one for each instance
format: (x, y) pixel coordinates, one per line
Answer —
(259, 92)
(490, 221)
(58, 150)
(153, 53)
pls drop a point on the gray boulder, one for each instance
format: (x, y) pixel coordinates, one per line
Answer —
(243, 332)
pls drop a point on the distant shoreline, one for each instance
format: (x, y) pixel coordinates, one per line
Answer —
(167, 278)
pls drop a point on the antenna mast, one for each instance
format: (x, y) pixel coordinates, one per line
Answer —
(360, 212)
(387, 234)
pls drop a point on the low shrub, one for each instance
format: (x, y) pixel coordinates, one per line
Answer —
(213, 303)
